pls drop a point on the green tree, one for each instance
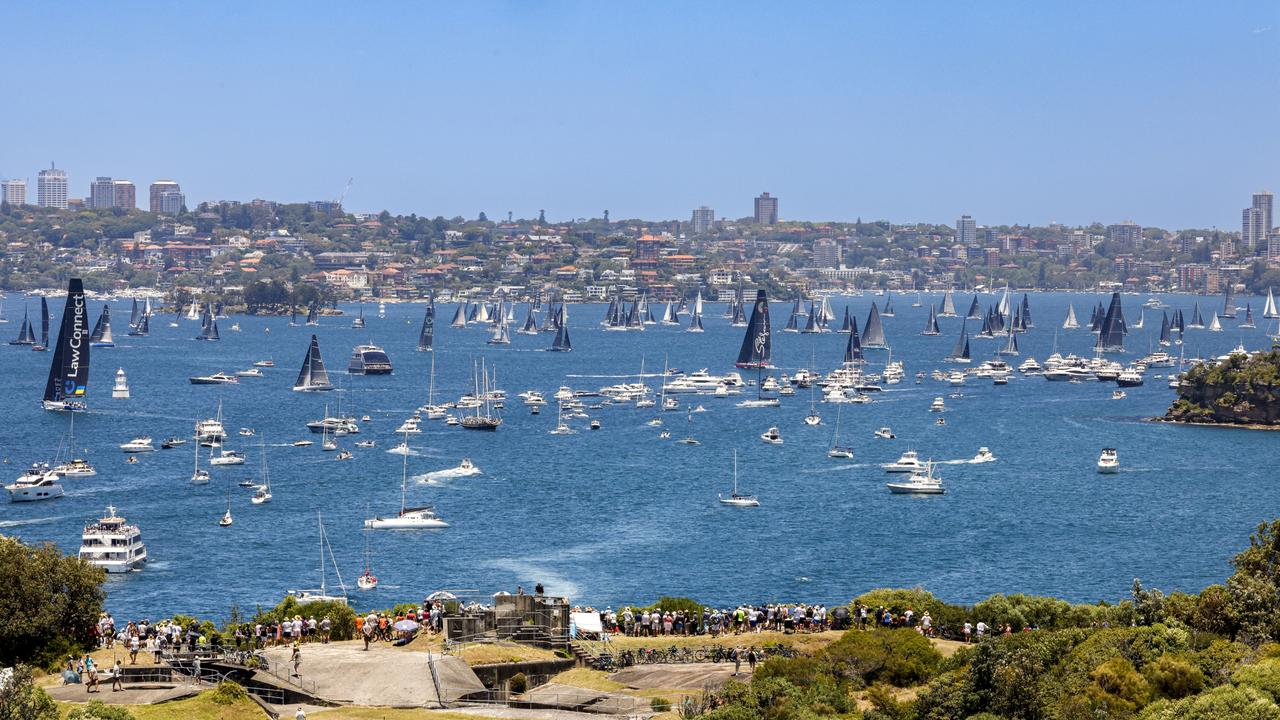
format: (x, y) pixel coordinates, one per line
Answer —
(1255, 585)
(50, 603)
(21, 699)
(98, 710)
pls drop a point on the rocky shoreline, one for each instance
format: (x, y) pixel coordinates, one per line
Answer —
(1240, 391)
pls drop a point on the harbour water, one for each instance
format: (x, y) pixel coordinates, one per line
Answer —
(617, 514)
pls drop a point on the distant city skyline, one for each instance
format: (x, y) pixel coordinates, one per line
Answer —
(912, 113)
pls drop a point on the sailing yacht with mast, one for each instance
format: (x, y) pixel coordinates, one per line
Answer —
(484, 419)
(367, 580)
(757, 349)
(1269, 311)
(561, 343)
(837, 450)
(101, 335)
(1070, 323)
(322, 595)
(312, 377)
(26, 335)
(426, 336)
(44, 327)
(409, 518)
(68, 380)
(695, 319)
(262, 494)
(198, 476)
(737, 499)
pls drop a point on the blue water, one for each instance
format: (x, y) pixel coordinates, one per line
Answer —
(618, 515)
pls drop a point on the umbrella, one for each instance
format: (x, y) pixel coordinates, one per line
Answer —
(442, 595)
(406, 626)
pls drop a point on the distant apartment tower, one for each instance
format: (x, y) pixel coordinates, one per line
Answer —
(124, 194)
(51, 188)
(1127, 234)
(102, 193)
(13, 192)
(966, 231)
(826, 253)
(158, 188)
(1255, 226)
(703, 218)
(171, 202)
(766, 210)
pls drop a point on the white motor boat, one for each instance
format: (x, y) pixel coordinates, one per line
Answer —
(265, 363)
(344, 455)
(908, 463)
(250, 373)
(400, 449)
(366, 443)
(466, 468)
(218, 378)
(112, 544)
(140, 444)
(921, 482)
(885, 433)
(938, 405)
(37, 483)
(813, 419)
(772, 436)
(1118, 395)
(1108, 461)
(246, 432)
(955, 377)
(984, 456)
(737, 499)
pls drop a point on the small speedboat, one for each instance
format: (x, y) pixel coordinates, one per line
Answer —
(699, 409)
(664, 435)
(302, 443)
(940, 421)
(248, 484)
(250, 373)
(246, 432)
(656, 422)
(466, 468)
(909, 462)
(173, 442)
(1108, 461)
(772, 436)
(984, 456)
(595, 425)
(938, 405)
(366, 443)
(885, 433)
(264, 363)
(344, 455)
(1118, 395)
(365, 418)
(921, 482)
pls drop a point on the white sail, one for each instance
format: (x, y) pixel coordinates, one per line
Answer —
(1214, 325)
(1270, 310)
(1071, 323)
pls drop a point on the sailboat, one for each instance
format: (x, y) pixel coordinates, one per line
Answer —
(931, 325)
(757, 348)
(1269, 311)
(134, 314)
(849, 324)
(561, 343)
(695, 320)
(1070, 323)
(460, 316)
(1248, 316)
(1142, 319)
(669, 315)
(101, 335)
(1166, 338)
(313, 315)
(888, 305)
(975, 313)
(919, 300)
(426, 336)
(960, 353)
(812, 324)
(1196, 320)
(143, 328)
(26, 336)
(367, 580)
(382, 309)
(44, 326)
(198, 476)
(837, 450)
(68, 381)
(262, 494)
(1229, 302)
(415, 518)
(688, 439)
(322, 595)
(193, 311)
(358, 322)
(501, 336)
(853, 349)
(1214, 325)
(1112, 331)
(483, 419)
(530, 326)
(873, 332)
(1011, 344)
(226, 517)
(72, 466)
(948, 305)
(737, 499)
(209, 330)
(312, 377)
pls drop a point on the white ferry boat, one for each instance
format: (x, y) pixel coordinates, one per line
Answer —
(112, 544)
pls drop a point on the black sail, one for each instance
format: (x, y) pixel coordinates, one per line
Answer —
(561, 343)
(853, 349)
(1111, 335)
(69, 371)
(974, 313)
(44, 322)
(427, 335)
(757, 344)
(873, 337)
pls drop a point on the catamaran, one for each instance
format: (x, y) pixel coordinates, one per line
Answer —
(737, 499)
(409, 518)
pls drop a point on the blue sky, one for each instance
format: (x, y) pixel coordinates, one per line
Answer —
(1167, 113)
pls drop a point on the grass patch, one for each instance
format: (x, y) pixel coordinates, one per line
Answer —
(378, 713)
(488, 654)
(200, 707)
(589, 679)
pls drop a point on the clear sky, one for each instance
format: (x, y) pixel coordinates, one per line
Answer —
(1164, 112)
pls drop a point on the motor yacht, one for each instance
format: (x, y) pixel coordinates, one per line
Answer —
(264, 363)
(1108, 461)
(908, 463)
(334, 424)
(140, 444)
(112, 544)
(466, 468)
(218, 378)
(37, 483)
(955, 377)
(938, 405)
(984, 456)
(227, 457)
(921, 482)
(302, 443)
(885, 433)
(250, 373)
(1030, 367)
(369, 360)
(772, 436)
(1129, 378)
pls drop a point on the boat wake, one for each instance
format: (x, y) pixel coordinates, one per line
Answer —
(30, 521)
(445, 475)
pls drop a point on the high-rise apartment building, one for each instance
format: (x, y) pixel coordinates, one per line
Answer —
(13, 192)
(124, 194)
(51, 188)
(102, 193)
(158, 188)
(171, 202)
(966, 231)
(703, 218)
(766, 210)
(1127, 234)
(826, 253)
(1255, 226)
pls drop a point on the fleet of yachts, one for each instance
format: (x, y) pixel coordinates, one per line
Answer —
(116, 546)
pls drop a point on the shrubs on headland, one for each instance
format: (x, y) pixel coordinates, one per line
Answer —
(1154, 657)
